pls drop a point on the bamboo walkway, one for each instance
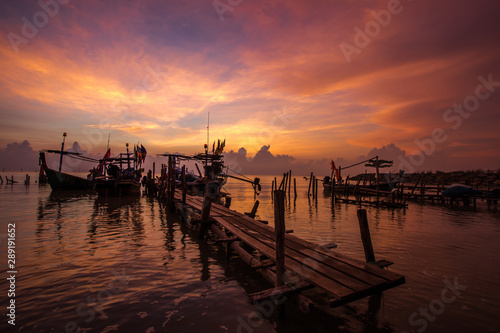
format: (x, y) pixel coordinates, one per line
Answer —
(345, 279)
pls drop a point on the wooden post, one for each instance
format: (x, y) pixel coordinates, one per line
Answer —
(345, 186)
(153, 170)
(279, 228)
(285, 179)
(289, 182)
(254, 209)
(310, 181)
(205, 216)
(416, 184)
(365, 235)
(272, 188)
(275, 184)
(170, 195)
(313, 181)
(295, 188)
(172, 186)
(184, 189)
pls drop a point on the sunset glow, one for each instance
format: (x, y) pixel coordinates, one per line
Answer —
(315, 80)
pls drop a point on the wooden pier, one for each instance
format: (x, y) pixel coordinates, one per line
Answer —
(308, 265)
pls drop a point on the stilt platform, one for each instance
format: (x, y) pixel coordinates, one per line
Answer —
(345, 279)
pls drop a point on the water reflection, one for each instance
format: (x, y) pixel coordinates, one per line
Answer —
(117, 215)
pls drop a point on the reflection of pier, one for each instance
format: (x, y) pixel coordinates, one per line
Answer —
(292, 264)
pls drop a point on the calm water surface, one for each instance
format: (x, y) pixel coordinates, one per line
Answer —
(128, 265)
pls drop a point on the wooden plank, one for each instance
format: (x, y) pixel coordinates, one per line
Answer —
(334, 272)
(321, 275)
(312, 250)
(350, 266)
(282, 290)
(328, 266)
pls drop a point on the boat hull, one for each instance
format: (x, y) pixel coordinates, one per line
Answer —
(64, 181)
(114, 187)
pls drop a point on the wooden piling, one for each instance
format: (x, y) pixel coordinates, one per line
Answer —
(295, 188)
(365, 235)
(183, 184)
(279, 228)
(345, 186)
(309, 188)
(153, 170)
(285, 181)
(289, 182)
(254, 209)
(205, 216)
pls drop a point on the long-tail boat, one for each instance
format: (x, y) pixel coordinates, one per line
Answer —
(59, 180)
(122, 175)
(64, 181)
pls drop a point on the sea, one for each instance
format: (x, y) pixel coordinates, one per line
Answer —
(76, 262)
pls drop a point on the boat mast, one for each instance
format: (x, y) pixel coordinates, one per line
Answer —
(62, 150)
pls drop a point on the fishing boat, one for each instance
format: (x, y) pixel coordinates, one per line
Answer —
(460, 191)
(209, 182)
(64, 181)
(121, 174)
(59, 180)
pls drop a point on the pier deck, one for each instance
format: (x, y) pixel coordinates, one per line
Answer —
(346, 279)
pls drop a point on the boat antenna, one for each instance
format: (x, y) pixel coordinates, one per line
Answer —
(109, 134)
(208, 129)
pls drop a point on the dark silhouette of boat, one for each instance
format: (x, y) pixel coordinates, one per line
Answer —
(64, 181)
(122, 176)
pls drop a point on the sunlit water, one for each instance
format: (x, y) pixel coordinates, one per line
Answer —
(129, 265)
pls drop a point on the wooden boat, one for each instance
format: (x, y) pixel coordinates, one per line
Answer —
(64, 181)
(459, 191)
(123, 177)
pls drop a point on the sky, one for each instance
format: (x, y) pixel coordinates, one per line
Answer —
(286, 83)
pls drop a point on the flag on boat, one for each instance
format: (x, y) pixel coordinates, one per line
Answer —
(334, 168)
(140, 154)
(102, 162)
(333, 165)
(220, 147)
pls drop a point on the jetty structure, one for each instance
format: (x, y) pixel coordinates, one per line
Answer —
(288, 262)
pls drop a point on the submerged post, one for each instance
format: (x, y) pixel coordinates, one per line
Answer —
(365, 235)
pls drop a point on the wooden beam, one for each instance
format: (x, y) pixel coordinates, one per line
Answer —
(365, 235)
